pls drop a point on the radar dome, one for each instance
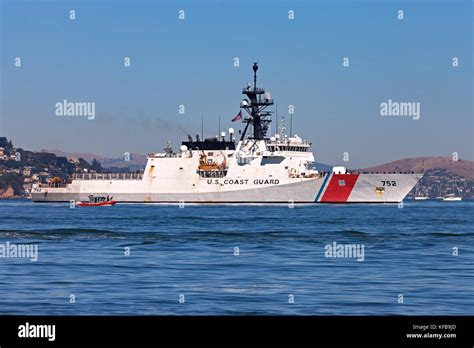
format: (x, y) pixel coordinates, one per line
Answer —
(244, 103)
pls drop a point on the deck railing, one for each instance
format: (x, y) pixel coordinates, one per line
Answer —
(107, 176)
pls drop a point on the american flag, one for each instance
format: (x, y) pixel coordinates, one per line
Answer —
(237, 117)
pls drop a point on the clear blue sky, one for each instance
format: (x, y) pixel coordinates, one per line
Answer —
(190, 62)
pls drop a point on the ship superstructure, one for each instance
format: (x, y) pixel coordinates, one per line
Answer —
(254, 169)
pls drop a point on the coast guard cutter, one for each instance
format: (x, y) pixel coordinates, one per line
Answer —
(256, 168)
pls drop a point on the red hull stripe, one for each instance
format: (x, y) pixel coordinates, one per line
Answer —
(339, 188)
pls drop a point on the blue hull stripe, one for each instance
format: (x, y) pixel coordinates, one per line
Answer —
(322, 187)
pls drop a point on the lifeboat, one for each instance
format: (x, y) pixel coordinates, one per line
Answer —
(56, 182)
(209, 165)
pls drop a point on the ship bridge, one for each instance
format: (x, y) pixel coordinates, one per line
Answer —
(292, 144)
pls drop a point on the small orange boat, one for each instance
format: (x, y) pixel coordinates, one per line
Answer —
(97, 201)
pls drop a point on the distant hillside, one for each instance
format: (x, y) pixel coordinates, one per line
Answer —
(75, 155)
(20, 169)
(137, 161)
(461, 168)
(5, 144)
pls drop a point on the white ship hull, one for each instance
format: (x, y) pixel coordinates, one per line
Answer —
(259, 169)
(358, 188)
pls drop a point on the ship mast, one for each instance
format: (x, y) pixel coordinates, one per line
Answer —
(258, 100)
